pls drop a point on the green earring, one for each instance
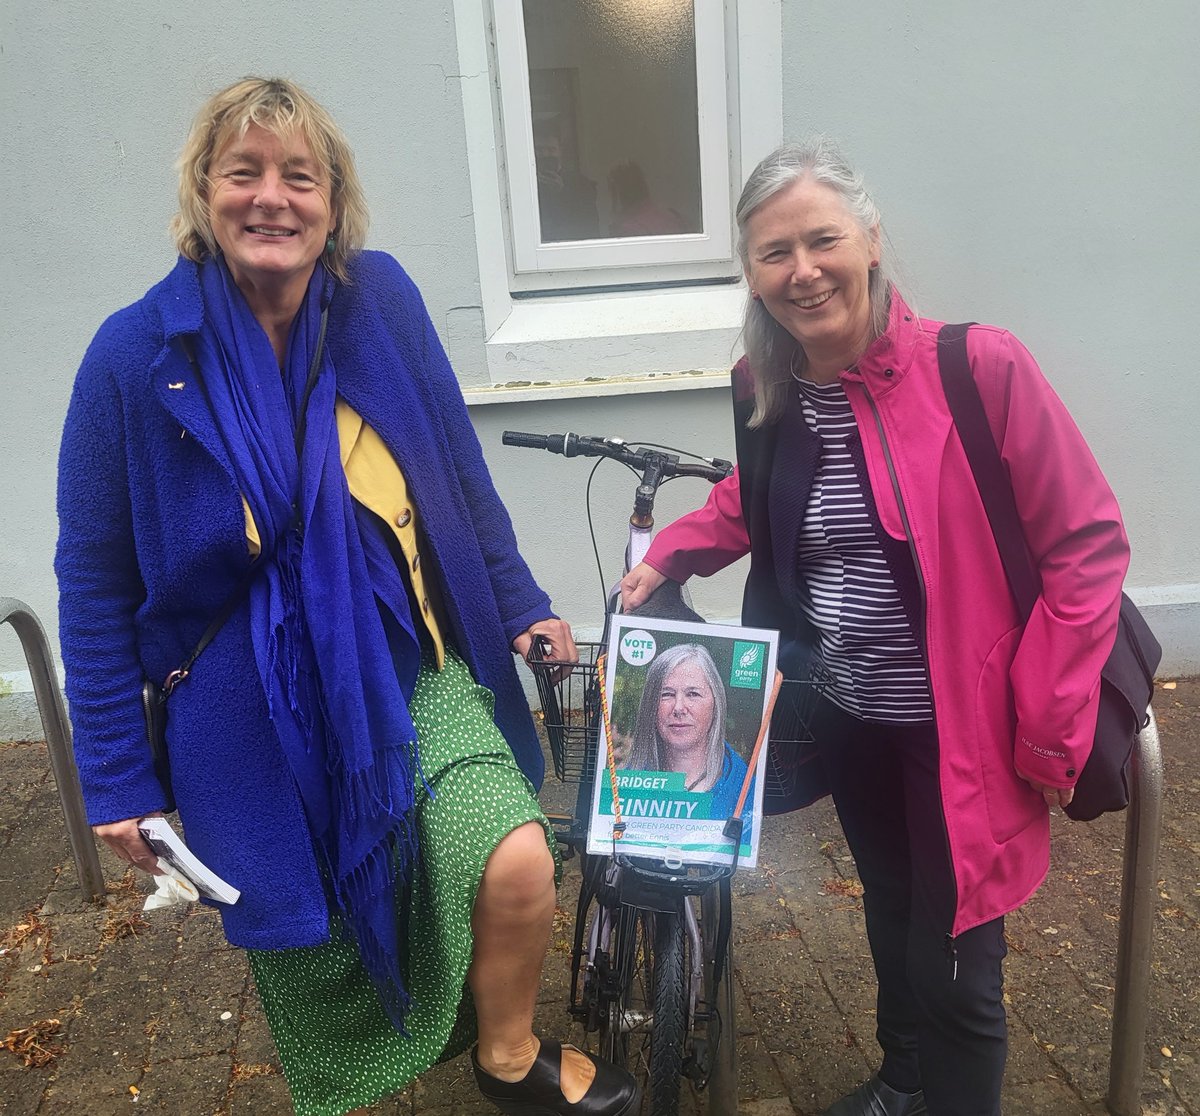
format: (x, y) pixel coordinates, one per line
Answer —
(330, 243)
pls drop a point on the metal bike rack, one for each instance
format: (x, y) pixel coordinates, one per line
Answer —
(53, 711)
(1131, 1006)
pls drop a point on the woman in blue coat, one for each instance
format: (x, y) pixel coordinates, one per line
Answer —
(275, 424)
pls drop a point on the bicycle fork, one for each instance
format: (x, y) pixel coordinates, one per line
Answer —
(598, 962)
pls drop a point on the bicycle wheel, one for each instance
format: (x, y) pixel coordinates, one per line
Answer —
(645, 1024)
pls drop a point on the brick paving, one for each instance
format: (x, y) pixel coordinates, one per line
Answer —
(156, 1013)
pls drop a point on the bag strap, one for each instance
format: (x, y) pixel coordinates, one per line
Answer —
(314, 370)
(217, 623)
(187, 341)
(995, 488)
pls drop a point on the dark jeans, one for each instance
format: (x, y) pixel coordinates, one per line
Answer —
(940, 1010)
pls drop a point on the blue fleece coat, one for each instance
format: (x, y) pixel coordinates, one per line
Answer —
(152, 541)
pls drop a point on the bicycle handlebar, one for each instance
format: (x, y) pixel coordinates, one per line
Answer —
(528, 441)
(662, 466)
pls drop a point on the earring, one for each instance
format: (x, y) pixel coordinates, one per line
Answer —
(331, 243)
(874, 264)
(755, 295)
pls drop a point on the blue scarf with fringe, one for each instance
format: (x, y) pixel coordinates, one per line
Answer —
(322, 609)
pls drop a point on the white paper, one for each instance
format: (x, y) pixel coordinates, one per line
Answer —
(169, 846)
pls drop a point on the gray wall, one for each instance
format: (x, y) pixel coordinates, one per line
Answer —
(1034, 164)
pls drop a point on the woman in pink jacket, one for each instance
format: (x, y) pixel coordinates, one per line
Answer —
(950, 728)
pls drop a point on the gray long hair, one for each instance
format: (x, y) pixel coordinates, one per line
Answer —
(773, 352)
(649, 751)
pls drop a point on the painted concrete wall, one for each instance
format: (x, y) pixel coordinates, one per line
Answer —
(1034, 164)
(1030, 164)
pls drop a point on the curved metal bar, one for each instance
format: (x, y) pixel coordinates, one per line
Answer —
(1131, 1006)
(53, 711)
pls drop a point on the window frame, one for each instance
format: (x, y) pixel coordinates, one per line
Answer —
(541, 340)
(594, 258)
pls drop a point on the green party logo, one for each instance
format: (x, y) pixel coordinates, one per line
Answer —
(748, 661)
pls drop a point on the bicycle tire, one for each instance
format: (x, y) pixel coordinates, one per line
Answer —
(644, 1027)
(669, 1027)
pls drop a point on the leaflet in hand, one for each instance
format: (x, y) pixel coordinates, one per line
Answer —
(169, 846)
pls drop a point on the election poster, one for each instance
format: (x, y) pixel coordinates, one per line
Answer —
(684, 704)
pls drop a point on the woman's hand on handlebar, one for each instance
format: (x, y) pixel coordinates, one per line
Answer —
(638, 585)
(126, 841)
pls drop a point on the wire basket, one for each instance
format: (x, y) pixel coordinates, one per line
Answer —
(571, 711)
(791, 740)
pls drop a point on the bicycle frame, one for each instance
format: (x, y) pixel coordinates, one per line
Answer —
(636, 547)
(650, 958)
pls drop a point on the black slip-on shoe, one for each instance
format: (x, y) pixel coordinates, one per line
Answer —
(614, 1092)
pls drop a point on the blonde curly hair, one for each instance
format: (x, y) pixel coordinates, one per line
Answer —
(284, 109)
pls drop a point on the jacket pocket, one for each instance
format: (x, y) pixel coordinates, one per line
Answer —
(1011, 806)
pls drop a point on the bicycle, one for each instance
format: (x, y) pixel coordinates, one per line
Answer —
(651, 971)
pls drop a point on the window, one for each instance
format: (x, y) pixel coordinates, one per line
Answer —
(616, 139)
(645, 116)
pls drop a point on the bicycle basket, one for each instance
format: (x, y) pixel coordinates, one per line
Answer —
(790, 737)
(571, 711)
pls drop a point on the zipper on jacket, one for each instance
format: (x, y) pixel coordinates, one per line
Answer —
(951, 950)
(951, 955)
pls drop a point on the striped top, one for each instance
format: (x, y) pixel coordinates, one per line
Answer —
(867, 641)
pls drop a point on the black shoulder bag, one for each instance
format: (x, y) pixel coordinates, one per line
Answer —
(154, 696)
(1127, 679)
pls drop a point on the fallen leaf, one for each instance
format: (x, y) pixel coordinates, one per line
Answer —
(32, 1044)
(16, 936)
(837, 886)
(242, 1071)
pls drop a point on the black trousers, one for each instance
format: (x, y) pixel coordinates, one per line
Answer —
(940, 1010)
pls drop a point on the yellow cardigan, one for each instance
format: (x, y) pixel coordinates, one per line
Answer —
(376, 482)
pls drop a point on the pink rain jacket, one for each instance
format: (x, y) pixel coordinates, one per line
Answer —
(1010, 701)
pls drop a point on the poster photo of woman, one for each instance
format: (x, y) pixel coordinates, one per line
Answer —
(684, 706)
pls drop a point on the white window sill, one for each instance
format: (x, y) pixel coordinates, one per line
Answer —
(531, 391)
(624, 343)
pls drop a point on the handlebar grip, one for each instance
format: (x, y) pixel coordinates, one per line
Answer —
(525, 441)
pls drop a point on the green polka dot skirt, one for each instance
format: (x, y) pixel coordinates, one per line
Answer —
(337, 1047)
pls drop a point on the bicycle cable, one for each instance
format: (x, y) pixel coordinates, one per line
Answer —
(592, 532)
(592, 528)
